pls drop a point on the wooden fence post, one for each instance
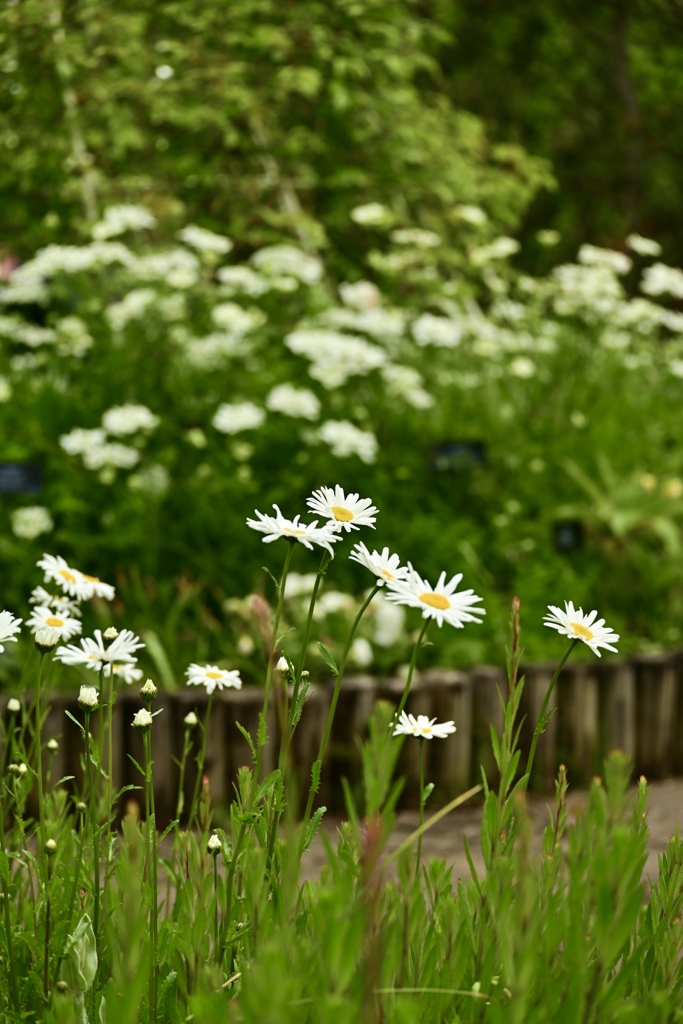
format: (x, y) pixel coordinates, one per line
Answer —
(617, 710)
(656, 704)
(489, 684)
(538, 679)
(578, 724)
(449, 761)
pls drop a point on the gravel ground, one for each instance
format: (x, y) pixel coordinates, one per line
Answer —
(445, 839)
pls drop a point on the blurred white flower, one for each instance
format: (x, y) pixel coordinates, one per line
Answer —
(153, 480)
(291, 401)
(572, 622)
(361, 652)
(362, 295)
(29, 522)
(471, 215)
(523, 367)
(80, 440)
(126, 671)
(499, 249)
(75, 583)
(333, 602)
(423, 727)
(406, 383)
(593, 255)
(211, 677)
(233, 417)
(300, 584)
(439, 331)
(10, 625)
(659, 279)
(371, 215)
(128, 419)
(131, 307)
(87, 698)
(73, 337)
(548, 237)
(287, 260)
(118, 456)
(238, 321)
(213, 351)
(118, 219)
(334, 356)
(143, 719)
(643, 246)
(389, 624)
(415, 236)
(176, 268)
(163, 72)
(344, 439)
(204, 240)
(242, 281)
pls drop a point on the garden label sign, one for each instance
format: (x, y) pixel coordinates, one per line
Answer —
(21, 478)
(451, 456)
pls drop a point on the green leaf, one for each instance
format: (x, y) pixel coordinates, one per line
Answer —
(328, 659)
(75, 721)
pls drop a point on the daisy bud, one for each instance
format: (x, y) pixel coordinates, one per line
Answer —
(190, 720)
(50, 847)
(13, 706)
(143, 719)
(148, 692)
(214, 845)
(111, 633)
(87, 698)
(52, 746)
(81, 807)
(17, 769)
(61, 985)
(46, 639)
(282, 665)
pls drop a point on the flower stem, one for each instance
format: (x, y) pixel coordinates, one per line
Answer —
(307, 629)
(39, 754)
(411, 670)
(540, 724)
(187, 746)
(48, 911)
(194, 809)
(271, 662)
(422, 805)
(216, 950)
(317, 766)
(95, 841)
(11, 968)
(152, 858)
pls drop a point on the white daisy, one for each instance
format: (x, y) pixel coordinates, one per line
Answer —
(291, 529)
(573, 623)
(211, 677)
(126, 671)
(346, 511)
(425, 728)
(96, 653)
(386, 567)
(43, 617)
(9, 625)
(440, 602)
(57, 602)
(74, 582)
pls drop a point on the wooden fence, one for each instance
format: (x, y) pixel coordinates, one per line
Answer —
(635, 706)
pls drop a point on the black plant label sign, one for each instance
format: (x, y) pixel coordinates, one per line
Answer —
(21, 478)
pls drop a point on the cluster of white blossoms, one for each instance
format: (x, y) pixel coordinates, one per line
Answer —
(335, 357)
(95, 447)
(31, 521)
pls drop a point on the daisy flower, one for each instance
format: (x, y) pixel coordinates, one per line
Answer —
(126, 671)
(9, 625)
(386, 567)
(43, 617)
(75, 583)
(96, 653)
(573, 623)
(291, 529)
(423, 727)
(441, 602)
(346, 511)
(211, 677)
(57, 602)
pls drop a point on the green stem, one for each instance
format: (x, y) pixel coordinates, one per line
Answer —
(271, 661)
(48, 910)
(72, 895)
(152, 855)
(317, 766)
(187, 745)
(411, 670)
(11, 968)
(307, 629)
(110, 745)
(216, 950)
(237, 849)
(194, 809)
(540, 725)
(39, 755)
(422, 806)
(95, 841)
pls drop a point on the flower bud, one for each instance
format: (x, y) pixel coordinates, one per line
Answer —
(46, 639)
(50, 847)
(282, 665)
(190, 720)
(111, 633)
(143, 719)
(81, 807)
(61, 985)
(214, 845)
(148, 692)
(13, 706)
(87, 698)
(52, 746)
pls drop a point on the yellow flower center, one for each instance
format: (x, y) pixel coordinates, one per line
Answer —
(435, 600)
(388, 575)
(52, 620)
(213, 675)
(65, 574)
(90, 579)
(581, 631)
(426, 730)
(288, 529)
(341, 514)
